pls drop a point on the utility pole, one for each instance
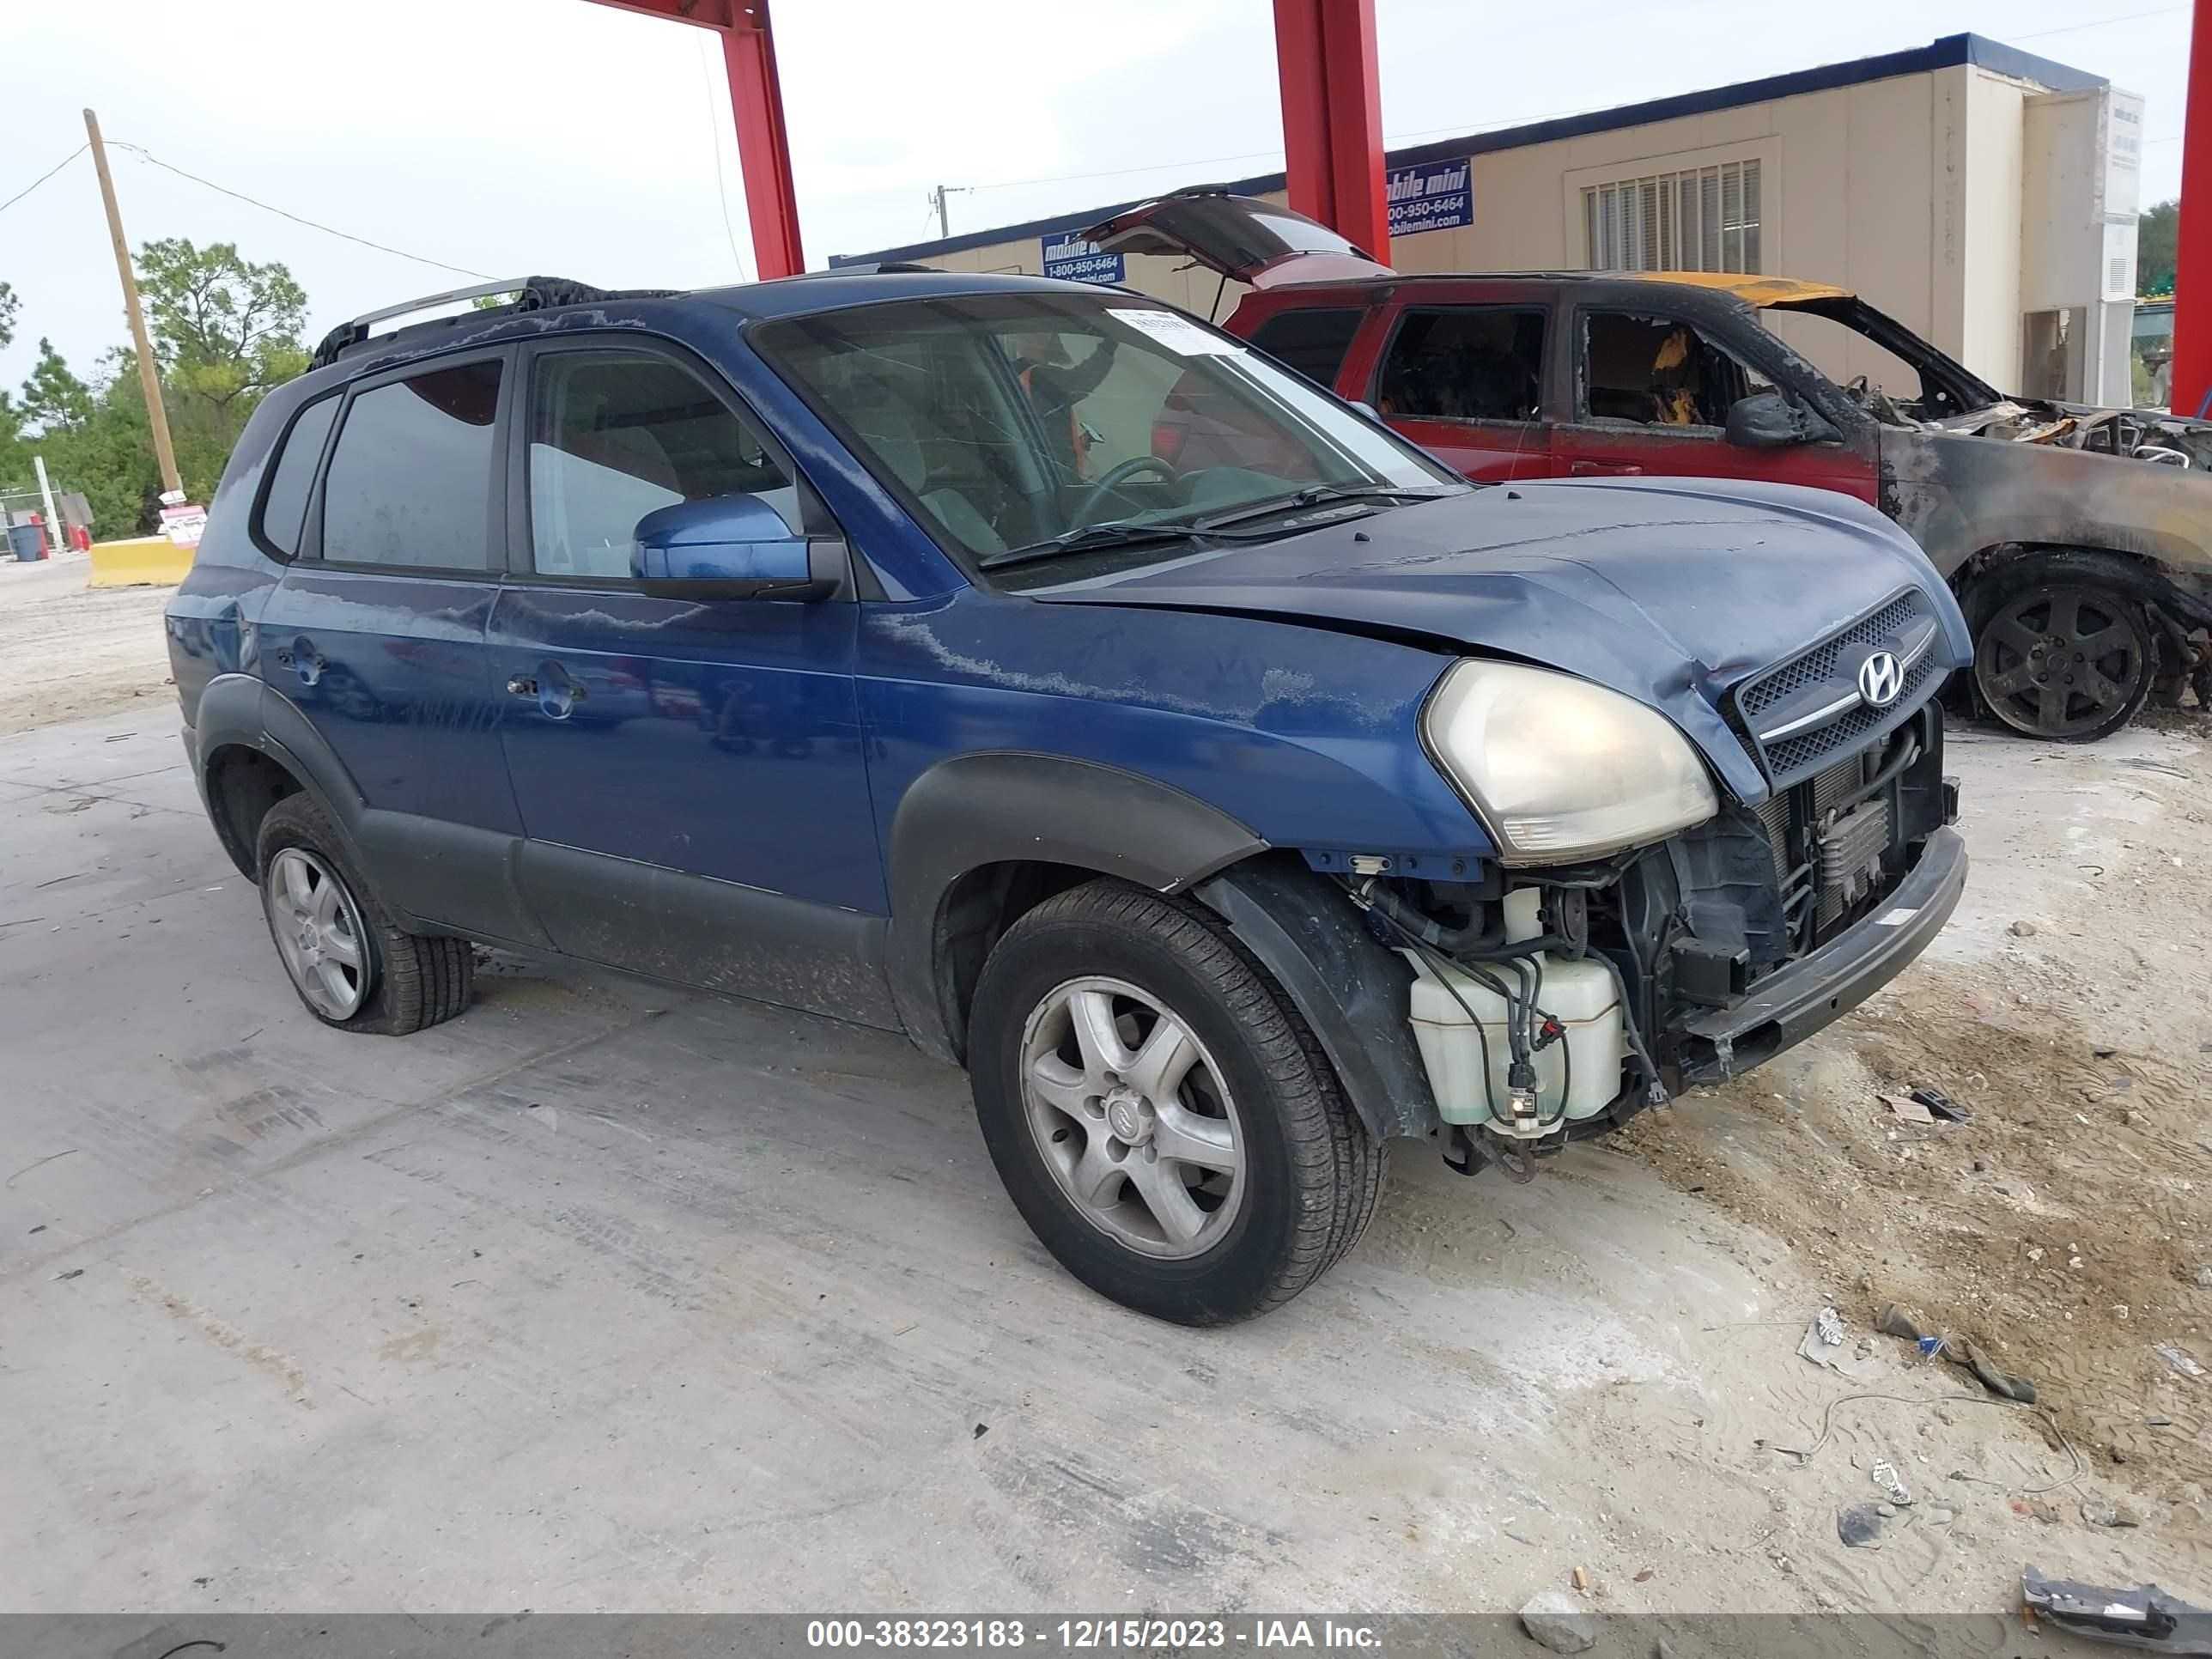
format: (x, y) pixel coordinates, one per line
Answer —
(937, 199)
(149, 374)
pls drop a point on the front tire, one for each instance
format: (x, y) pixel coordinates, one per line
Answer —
(1161, 1116)
(2062, 652)
(352, 966)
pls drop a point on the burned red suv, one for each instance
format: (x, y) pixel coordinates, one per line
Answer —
(2088, 585)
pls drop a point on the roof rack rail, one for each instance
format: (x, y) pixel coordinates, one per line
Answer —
(878, 268)
(531, 294)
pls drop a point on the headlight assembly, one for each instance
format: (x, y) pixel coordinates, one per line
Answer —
(1560, 769)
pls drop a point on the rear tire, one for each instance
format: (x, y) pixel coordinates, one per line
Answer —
(2062, 651)
(1161, 1116)
(352, 966)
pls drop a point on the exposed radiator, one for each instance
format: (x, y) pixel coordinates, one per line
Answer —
(1850, 858)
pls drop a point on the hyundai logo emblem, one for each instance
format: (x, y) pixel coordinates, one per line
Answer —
(1881, 680)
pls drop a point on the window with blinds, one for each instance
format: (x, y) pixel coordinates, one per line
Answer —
(1703, 219)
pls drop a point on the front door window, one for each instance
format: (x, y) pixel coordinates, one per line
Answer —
(1640, 370)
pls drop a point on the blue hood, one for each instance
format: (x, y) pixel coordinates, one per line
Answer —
(1668, 591)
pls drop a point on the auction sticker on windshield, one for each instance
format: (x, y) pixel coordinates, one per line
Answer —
(1179, 334)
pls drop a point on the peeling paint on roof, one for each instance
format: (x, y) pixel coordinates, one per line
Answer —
(1761, 291)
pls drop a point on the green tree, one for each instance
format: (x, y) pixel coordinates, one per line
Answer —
(2155, 234)
(53, 397)
(225, 329)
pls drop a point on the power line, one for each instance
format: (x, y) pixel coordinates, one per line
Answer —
(43, 177)
(2100, 22)
(144, 154)
(715, 139)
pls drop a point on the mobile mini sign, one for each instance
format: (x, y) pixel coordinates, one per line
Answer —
(1075, 261)
(1435, 196)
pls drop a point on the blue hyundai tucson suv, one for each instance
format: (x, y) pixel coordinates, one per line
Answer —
(1038, 672)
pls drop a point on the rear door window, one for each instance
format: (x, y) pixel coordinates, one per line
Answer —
(1310, 339)
(1656, 371)
(284, 507)
(1465, 363)
(410, 483)
(615, 435)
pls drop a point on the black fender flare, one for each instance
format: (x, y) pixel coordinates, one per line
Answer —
(1009, 806)
(973, 811)
(1353, 992)
(237, 710)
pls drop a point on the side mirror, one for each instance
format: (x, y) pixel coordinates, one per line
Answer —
(1772, 420)
(729, 547)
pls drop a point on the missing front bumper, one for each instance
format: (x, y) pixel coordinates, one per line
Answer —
(1790, 1005)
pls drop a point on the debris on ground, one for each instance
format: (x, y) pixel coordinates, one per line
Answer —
(1941, 1104)
(1823, 1344)
(1960, 1351)
(1860, 1525)
(2144, 1617)
(2204, 1277)
(2096, 1513)
(1895, 1321)
(1907, 1109)
(2022, 930)
(1996, 1382)
(1581, 1581)
(2178, 1359)
(1555, 1620)
(1886, 1476)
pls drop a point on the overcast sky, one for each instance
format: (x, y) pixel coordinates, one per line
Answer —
(511, 136)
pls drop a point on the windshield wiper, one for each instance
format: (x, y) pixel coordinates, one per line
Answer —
(1325, 494)
(1125, 532)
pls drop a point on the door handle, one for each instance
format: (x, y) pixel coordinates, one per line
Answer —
(556, 692)
(303, 659)
(1603, 468)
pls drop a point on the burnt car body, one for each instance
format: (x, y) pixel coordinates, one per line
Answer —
(2087, 583)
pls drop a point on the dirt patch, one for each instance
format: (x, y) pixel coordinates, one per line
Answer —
(2065, 1227)
(67, 651)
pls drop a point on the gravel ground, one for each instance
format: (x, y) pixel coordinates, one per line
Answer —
(67, 651)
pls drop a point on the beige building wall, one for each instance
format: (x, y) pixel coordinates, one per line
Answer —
(1907, 190)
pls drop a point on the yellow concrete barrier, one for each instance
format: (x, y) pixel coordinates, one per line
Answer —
(146, 562)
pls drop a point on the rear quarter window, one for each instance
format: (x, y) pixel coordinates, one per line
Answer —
(285, 505)
(1311, 341)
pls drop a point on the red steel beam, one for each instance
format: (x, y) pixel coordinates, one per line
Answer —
(1333, 117)
(763, 148)
(2192, 279)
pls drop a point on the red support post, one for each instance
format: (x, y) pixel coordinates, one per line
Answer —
(1333, 117)
(2192, 280)
(763, 150)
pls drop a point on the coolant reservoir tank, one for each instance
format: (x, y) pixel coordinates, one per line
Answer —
(1578, 1076)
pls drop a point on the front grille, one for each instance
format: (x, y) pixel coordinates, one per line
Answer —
(1792, 759)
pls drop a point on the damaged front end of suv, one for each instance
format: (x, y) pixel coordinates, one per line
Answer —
(1708, 830)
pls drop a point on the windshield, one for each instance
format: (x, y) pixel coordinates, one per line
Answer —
(1022, 425)
(1893, 373)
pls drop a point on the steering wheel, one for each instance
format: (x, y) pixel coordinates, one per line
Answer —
(1086, 509)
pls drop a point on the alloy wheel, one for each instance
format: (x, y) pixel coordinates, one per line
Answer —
(1130, 1114)
(318, 931)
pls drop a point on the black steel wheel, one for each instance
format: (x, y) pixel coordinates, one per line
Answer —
(2062, 658)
